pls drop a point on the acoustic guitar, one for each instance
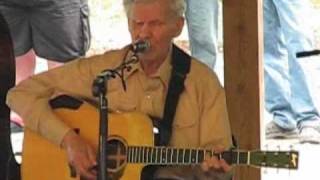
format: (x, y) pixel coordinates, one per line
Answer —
(130, 147)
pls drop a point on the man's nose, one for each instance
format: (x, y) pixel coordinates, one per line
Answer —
(145, 31)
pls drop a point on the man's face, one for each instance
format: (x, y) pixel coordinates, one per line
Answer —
(156, 23)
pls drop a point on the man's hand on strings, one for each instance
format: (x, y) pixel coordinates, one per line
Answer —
(214, 163)
(81, 155)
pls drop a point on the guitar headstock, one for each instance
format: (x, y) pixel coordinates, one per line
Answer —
(275, 159)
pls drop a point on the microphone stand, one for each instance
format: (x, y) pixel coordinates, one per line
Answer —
(99, 89)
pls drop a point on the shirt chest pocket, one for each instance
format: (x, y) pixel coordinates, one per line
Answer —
(186, 116)
(185, 130)
(184, 122)
(121, 101)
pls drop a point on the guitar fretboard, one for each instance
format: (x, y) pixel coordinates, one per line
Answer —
(172, 156)
(182, 156)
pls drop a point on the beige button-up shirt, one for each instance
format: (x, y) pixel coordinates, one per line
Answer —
(201, 117)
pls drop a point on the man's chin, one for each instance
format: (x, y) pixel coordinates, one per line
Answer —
(146, 56)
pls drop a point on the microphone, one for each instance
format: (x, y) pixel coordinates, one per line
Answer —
(140, 46)
(308, 53)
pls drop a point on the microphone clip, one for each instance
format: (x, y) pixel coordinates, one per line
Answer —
(140, 46)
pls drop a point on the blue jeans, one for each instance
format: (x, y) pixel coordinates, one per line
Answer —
(202, 21)
(286, 32)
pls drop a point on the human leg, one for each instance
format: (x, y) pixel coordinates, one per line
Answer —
(53, 64)
(25, 66)
(298, 37)
(18, 21)
(202, 22)
(277, 87)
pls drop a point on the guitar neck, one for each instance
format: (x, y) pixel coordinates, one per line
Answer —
(182, 156)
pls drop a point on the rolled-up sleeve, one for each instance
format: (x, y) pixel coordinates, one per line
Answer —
(30, 99)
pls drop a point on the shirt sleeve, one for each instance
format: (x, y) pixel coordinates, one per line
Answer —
(214, 122)
(30, 98)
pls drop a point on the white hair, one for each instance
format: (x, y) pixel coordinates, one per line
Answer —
(178, 7)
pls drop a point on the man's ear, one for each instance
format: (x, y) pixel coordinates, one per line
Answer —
(129, 23)
(130, 28)
(179, 26)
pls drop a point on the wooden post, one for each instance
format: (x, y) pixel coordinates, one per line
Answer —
(243, 52)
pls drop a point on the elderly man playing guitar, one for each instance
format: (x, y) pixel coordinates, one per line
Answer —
(200, 117)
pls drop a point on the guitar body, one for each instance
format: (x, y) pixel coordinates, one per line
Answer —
(130, 147)
(43, 160)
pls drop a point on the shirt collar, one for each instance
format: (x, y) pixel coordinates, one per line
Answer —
(164, 71)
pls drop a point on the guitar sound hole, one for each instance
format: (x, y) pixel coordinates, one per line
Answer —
(116, 154)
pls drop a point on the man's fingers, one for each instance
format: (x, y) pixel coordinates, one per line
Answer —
(225, 166)
(84, 170)
(210, 163)
(215, 163)
(205, 166)
(81, 155)
(222, 163)
(86, 173)
(92, 157)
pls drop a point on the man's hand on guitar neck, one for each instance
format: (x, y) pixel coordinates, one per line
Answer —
(81, 155)
(214, 163)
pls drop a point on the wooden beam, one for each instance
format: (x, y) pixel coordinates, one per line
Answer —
(243, 20)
